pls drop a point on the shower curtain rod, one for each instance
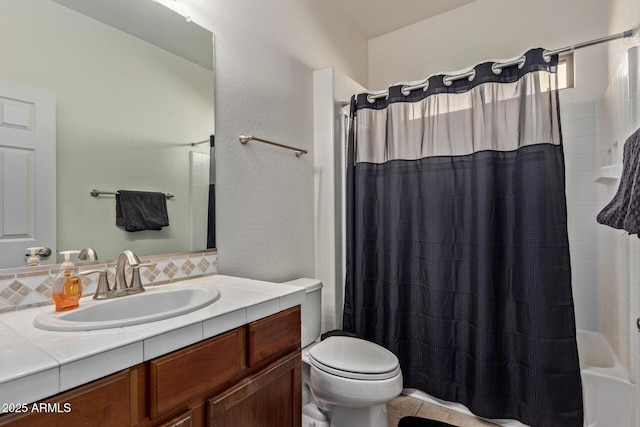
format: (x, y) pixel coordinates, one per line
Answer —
(448, 79)
(622, 35)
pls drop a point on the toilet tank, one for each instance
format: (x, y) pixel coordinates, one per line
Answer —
(310, 308)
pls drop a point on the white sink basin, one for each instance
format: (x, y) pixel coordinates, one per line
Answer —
(157, 303)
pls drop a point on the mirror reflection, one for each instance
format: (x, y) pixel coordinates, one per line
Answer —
(127, 115)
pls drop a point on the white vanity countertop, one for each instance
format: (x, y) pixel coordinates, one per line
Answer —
(35, 363)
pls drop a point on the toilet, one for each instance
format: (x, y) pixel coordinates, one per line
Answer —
(347, 381)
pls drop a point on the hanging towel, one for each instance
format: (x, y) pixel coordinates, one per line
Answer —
(623, 212)
(141, 210)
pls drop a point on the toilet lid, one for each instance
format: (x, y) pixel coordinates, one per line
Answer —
(354, 358)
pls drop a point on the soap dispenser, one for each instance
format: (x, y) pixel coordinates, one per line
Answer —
(67, 286)
(34, 260)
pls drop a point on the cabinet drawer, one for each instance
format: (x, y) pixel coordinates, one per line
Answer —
(184, 374)
(273, 336)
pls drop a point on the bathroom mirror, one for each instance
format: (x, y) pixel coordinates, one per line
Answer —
(134, 88)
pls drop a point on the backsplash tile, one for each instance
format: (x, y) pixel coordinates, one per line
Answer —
(31, 286)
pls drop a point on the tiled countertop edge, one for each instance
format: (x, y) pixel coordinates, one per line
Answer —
(63, 360)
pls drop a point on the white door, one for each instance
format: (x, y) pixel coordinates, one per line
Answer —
(27, 172)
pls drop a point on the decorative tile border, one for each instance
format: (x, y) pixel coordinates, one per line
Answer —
(27, 287)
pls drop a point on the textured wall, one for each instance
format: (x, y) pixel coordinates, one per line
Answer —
(265, 56)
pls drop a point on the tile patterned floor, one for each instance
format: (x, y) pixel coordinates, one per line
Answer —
(408, 406)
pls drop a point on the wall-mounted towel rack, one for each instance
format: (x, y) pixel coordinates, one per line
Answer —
(246, 138)
(210, 141)
(96, 193)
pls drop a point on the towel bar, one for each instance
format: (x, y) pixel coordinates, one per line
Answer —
(246, 138)
(96, 193)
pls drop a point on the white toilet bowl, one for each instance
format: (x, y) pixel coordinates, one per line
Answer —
(353, 379)
(349, 379)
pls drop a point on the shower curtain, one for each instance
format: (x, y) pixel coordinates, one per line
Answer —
(457, 247)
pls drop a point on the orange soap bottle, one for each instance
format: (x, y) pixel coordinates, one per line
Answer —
(67, 286)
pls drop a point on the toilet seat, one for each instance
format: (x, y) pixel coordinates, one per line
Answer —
(354, 358)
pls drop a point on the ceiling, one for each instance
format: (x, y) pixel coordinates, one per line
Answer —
(153, 23)
(377, 17)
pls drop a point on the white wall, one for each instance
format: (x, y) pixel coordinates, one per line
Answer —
(581, 133)
(624, 14)
(331, 88)
(491, 29)
(265, 56)
(618, 251)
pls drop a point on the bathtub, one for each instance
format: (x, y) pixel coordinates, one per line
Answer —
(609, 398)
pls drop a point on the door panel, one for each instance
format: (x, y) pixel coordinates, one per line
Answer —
(27, 171)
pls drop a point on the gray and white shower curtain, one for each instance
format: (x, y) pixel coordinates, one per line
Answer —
(457, 248)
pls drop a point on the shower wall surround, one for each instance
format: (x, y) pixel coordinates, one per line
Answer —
(603, 260)
(31, 286)
(617, 251)
(580, 135)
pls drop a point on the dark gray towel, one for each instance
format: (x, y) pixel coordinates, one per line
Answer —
(623, 212)
(141, 210)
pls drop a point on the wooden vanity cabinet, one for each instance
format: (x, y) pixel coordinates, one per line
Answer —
(249, 376)
(104, 402)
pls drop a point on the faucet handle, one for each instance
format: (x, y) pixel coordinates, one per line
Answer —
(103, 283)
(136, 282)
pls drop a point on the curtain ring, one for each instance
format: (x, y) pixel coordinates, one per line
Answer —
(406, 90)
(497, 67)
(472, 76)
(546, 55)
(372, 97)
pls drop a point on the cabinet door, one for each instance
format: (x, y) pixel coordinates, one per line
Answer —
(270, 398)
(105, 402)
(183, 420)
